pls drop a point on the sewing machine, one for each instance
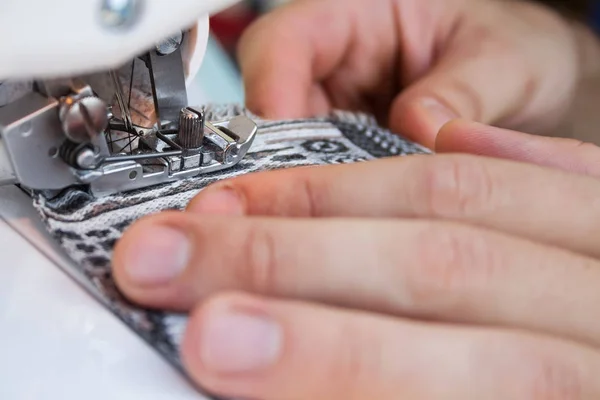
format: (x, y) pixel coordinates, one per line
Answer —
(65, 119)
(102, 102)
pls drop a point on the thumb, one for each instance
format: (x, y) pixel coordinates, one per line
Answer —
(486, 89)
(510, 63)
(473, 138)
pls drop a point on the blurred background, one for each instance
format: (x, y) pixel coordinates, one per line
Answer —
(228, 26)
(218, 80)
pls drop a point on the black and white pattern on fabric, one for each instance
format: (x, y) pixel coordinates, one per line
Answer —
(88, 228)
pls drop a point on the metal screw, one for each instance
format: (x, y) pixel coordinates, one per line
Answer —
(86, 159)
(231, 153)
(119, 13)
(83, 119)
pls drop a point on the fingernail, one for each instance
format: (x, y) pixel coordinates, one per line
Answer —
(221, 201)
(237, 342)
(439, 114)
(159, 256)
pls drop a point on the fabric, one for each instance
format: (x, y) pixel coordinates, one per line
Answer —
(88, 228)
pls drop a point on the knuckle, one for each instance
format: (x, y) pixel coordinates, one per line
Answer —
(472, 104)
(459, 93)
(452, 187)
(284, 194)
(257, 264)
(311, 197)
(452, 263)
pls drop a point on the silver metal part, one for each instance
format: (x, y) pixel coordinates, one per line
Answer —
(83, 118)
(225, 145)
(170, 44)
(32, 134)
(7, 175)
(119, 13)
(41, 157)
(191, 128)
(87, 159)
(64, 133)
(168, 85)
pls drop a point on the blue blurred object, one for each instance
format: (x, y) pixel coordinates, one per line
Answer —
(218, 80)
(594, 19)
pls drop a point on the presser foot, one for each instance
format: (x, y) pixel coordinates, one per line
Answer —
(164, 156)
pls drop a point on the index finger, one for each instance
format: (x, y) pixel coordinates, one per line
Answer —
(496, 194)
(285, 54)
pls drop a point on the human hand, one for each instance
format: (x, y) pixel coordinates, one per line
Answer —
(429, 277)
(415, 64)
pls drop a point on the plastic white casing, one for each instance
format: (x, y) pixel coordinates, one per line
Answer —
(59, 38)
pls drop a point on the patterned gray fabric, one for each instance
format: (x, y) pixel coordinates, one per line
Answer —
(88, 228)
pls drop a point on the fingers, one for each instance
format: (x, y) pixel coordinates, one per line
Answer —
(287, 52)
(566, 154)
(246, 347)
(493, 69)
(419, 268)
(496, 194)
(460, 88)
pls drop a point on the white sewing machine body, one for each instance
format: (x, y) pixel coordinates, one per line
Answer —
(57, 341)
(58, 38)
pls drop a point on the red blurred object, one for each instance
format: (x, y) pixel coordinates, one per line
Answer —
(229, 25)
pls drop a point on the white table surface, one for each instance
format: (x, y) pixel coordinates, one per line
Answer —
(56, 340)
